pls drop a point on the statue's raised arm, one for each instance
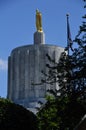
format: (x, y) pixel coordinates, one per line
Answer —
(38, 21)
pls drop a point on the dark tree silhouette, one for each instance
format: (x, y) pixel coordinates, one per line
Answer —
(13, 117)
(67, 105)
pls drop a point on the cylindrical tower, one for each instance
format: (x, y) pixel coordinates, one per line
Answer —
(25, 64)
(24, 68)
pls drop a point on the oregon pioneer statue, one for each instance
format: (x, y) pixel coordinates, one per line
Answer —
(38, 20)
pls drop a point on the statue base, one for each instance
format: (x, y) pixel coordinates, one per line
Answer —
(39, 38)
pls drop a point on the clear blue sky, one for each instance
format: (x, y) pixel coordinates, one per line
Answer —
(17, 26)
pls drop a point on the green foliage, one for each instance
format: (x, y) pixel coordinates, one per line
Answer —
(47, 115)
(14, 116)
(60, 113)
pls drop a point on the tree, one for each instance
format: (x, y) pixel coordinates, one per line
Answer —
(13, 116)
(68, 106)
(60, 113)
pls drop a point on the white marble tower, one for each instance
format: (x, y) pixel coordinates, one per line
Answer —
(25, 64)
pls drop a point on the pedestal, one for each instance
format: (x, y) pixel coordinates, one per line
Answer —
(39, 38)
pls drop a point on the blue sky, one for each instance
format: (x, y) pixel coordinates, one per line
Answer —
(17, 26)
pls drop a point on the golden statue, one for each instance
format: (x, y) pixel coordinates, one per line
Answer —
(38, 21)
